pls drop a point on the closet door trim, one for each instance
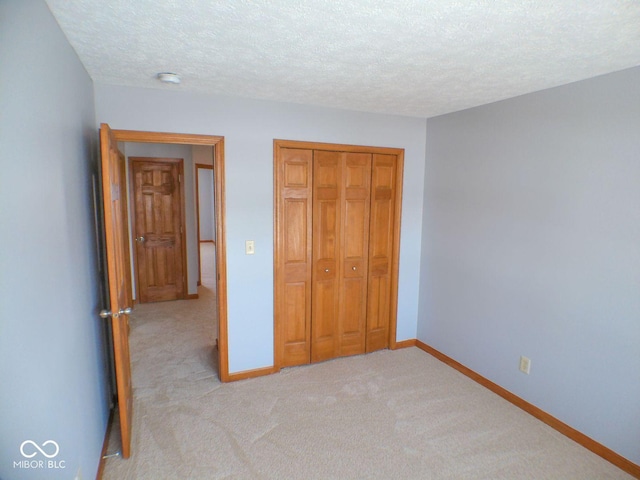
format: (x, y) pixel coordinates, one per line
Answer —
(336, 147)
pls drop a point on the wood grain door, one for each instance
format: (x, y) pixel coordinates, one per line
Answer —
(380, 307)
(158, 228)
(118, 272)
(354, 253)
(294, 169)
(327, 222)
(336, 248)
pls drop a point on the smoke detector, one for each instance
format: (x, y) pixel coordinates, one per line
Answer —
(168, 77)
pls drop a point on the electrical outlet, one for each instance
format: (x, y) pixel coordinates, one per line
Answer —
(525, 365)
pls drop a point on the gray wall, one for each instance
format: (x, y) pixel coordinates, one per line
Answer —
(531, 246)
(52, 374)
(203, 155)
(249, 127)
(160, 150)
(205, 203)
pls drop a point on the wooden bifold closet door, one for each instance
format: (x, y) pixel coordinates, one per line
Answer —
(337, 219)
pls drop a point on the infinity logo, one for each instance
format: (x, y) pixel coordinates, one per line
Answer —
(35, 445)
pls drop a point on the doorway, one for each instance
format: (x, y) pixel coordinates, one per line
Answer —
(216, 144)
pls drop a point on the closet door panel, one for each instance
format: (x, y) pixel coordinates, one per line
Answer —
(295, 334)
(383, 194)
(327, 171)
(293, 277)
(356, 183)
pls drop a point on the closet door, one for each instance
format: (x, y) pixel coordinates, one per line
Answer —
(294, 169)
(337, 227)
(354, 252)
(327, 175)
(382, 288)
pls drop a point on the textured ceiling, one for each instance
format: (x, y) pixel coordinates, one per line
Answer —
(409, 57)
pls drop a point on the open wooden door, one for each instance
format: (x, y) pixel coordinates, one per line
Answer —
(114, 198)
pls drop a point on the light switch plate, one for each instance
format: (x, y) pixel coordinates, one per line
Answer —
(249, 247)
(525, 365)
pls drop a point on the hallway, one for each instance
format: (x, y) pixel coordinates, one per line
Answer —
(173, 340)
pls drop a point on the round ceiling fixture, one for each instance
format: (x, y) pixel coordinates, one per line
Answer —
(168, 77)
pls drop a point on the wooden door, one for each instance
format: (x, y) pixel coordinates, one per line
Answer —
(381, 286)
(158, 228)
(118, 271)
(293, 175)
(354, 252)
(327, 221)
(341, 203)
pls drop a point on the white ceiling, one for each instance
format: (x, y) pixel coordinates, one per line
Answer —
(410, 57)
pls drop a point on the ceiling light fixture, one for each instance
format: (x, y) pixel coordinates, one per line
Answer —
(168, 77)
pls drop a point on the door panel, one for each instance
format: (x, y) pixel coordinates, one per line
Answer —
(327, 171)
(118, 272)
(293, 261)
(383, 194)
(295, 245)
(158, 228)
(295, 331)
(124, 215)
(356, 184)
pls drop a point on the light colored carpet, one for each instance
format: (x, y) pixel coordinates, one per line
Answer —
(386, 415)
